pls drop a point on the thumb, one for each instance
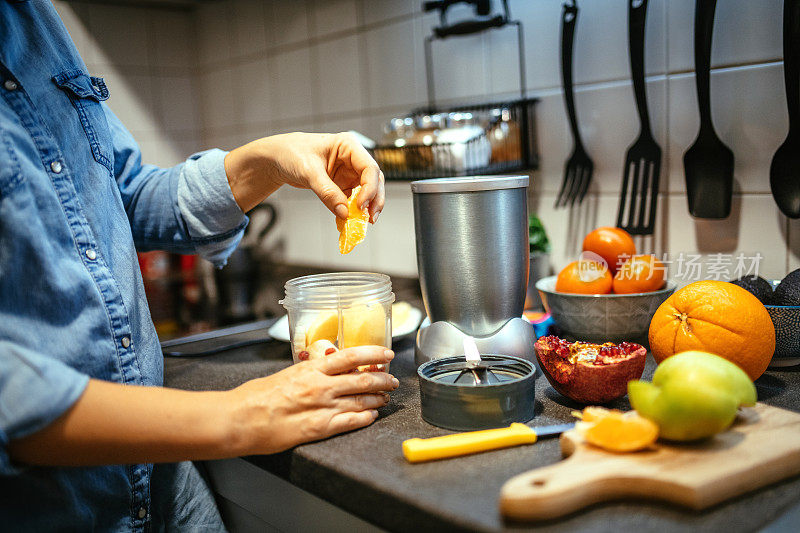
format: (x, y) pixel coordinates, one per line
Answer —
(330, 193)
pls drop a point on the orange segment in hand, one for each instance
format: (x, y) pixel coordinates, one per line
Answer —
(353, 230)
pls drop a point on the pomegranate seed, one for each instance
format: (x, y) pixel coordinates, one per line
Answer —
(303, 356)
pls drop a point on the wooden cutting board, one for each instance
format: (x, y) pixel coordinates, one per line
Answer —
(762, 447)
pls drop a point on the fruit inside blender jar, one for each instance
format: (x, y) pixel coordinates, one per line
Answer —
(331, 330)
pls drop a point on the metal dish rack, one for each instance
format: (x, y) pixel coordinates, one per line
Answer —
(515, 152)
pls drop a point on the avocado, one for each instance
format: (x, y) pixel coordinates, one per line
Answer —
(758, 286)
(788, 291)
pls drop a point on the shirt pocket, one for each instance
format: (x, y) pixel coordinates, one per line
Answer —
(86, 92)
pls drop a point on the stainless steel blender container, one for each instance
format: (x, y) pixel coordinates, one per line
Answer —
(473, 260)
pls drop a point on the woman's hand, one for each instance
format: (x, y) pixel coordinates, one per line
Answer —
(331, 165)
(310, 400)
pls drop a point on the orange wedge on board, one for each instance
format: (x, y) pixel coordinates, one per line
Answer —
(353, 230)
(616, 431)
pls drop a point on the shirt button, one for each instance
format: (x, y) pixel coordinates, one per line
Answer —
(55, 166)
(126, 341)
(142, 512)
(91, 254)
(10, 85)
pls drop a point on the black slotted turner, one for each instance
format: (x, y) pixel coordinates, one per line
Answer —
(784, 172)
(639, 196)
(579, 167)
(708, 163)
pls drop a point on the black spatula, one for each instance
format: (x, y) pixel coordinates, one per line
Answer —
(784, 173)
(708, 163)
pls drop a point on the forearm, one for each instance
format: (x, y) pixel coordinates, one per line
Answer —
(120, 424)
(253, 172)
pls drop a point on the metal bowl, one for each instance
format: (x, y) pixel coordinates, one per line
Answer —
(603, 317)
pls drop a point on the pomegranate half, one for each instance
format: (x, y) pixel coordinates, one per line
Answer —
(590, 373)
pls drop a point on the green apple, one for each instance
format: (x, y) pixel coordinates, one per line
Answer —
(693, 395)
(707, 370)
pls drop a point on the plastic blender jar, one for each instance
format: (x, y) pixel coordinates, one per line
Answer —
(346, 308)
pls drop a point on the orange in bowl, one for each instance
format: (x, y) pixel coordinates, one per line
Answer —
(640, 273)
(614, 245)
(584, 277)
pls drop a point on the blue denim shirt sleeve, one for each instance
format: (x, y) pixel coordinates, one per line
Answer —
(34, 391)
(188, 208)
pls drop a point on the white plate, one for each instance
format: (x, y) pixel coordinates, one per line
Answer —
(280, 329)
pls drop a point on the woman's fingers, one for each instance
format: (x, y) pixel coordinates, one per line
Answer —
(351, 358)
(329, 193)
(363, 383)
(350, 156)
(376, 204)
(351, 420)
(362, 402)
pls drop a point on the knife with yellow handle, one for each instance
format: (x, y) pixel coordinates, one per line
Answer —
(418, 450)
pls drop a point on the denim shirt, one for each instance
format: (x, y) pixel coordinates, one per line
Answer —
(76, 203)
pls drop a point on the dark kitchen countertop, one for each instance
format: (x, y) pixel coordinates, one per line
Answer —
(365, 473)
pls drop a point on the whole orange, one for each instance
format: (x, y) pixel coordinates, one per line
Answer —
(614, 245)
(640, 273)
(584, 277)
(717, 317)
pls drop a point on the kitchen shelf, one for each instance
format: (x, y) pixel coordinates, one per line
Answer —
(510, 139)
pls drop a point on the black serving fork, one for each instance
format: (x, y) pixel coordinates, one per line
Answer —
(639, 196)
(579, 167)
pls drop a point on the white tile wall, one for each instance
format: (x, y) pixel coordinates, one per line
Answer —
(339, 68)
(177, 103)
(214, 30)
(293, 85)
(172, 34)
(333, 16)
(392, 65)
(249, 27)
(256, 104)
(251, 68)
(121, 35)
(289, 21)
(376, 11)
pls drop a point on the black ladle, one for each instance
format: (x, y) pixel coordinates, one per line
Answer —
(784, 173)
(708, 163)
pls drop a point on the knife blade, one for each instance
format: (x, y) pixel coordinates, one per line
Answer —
(457, 444)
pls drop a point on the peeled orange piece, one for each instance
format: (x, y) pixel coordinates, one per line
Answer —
(353, 230)
(617, 431)
(364, 325)
(325, 326)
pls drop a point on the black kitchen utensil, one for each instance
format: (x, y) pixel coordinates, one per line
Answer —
(639, 196)
(708, 163)
(784, 173)
(579, 167)
(219, 340)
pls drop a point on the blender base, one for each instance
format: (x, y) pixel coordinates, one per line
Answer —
(443, 339)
